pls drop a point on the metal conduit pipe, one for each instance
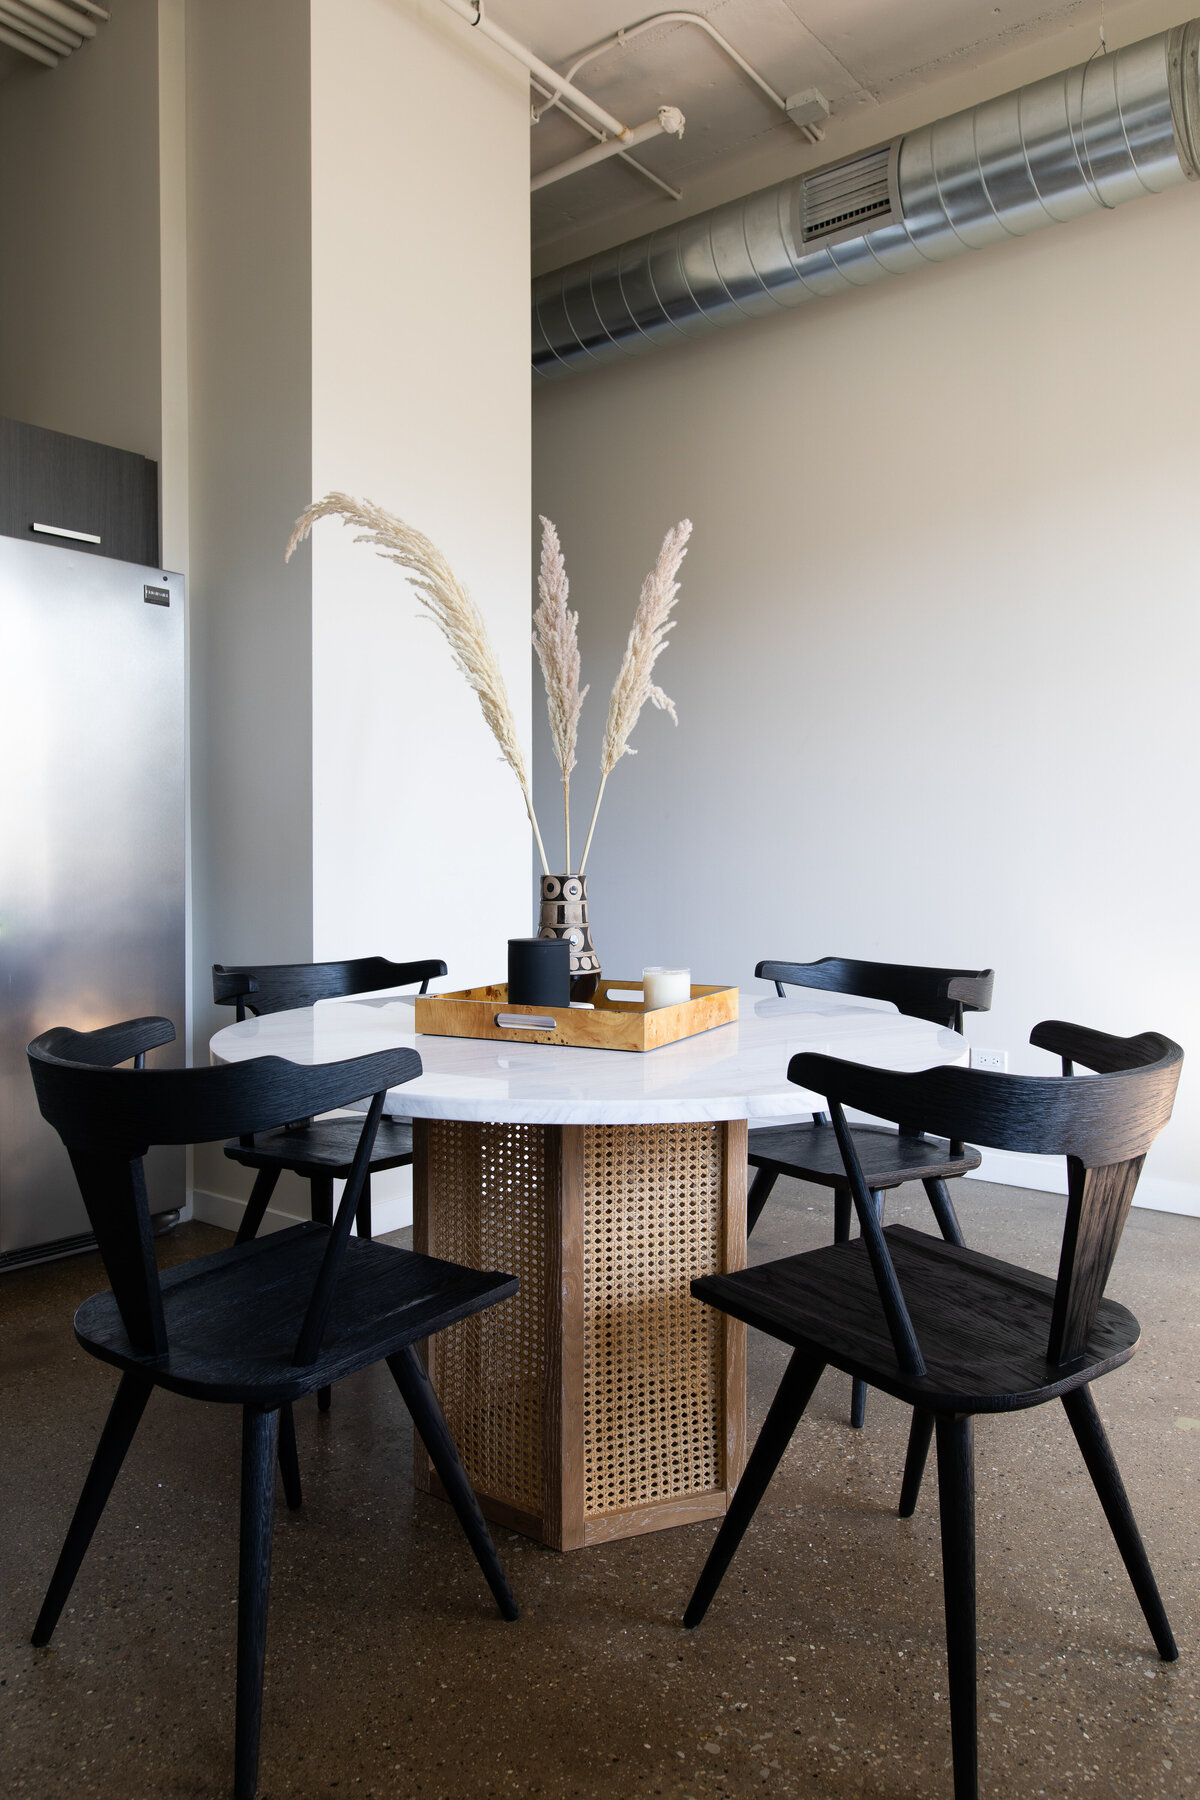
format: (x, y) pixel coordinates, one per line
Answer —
(627, 34)
(669, 119)
(66, 15)
(1110, 130)
(561, 92)
(41, 29)
(17, 41)
(474, 13)
(10, 18)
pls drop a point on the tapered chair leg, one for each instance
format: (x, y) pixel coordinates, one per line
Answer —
(123, 1419)
(786, 1411)
(943, 1210)
(858, 1392)
(362, 1213)
(260, 1198)
(760, 1193)
(422, 1402)
(843, 1207)
(956, 1489)
(260, 1435)
(919, 1434)
(289, 1461)
(322, 1212)
(1106, 1477)
(321, 1198)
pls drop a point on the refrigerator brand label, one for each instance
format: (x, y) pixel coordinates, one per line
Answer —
(156, 596)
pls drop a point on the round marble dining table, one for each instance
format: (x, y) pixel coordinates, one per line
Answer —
(602, 1400)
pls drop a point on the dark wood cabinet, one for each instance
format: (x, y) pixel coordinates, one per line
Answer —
(56, 489)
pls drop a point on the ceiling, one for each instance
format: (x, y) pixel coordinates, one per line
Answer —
(863, 55)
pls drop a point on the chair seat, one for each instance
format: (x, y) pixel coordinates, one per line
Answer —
(326, 1147)
(983, 1325)
(810, 1153)
(233, 1318)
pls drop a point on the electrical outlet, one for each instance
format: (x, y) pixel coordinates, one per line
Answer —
(995, 1060)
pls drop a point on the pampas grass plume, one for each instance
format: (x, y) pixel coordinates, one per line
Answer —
(647, 641)
(556, 640)
(451, 608)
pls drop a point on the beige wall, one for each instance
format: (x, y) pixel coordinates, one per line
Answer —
(250, 461)
(79, 230)
(936, 653)
(353, 192)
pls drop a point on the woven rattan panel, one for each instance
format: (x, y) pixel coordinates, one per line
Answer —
(490, 1204)
(653, 1356)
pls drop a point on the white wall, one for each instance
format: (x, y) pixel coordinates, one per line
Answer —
(360, 320)
(937, 646)
(420, 283)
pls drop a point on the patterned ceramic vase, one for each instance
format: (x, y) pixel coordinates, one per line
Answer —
(565, 915)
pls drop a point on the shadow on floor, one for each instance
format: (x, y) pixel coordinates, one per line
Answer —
(819, 1671)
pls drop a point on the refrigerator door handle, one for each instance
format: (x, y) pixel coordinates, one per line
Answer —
(62, 531)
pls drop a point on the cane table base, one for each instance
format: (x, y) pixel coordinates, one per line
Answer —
(601, 1400)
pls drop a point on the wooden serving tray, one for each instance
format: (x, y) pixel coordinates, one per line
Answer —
(611, 1024)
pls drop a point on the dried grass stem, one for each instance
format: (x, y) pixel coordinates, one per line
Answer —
(556, 640)
(452, 609)
(647, 641)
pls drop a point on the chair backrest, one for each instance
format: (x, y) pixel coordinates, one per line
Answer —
(278, 987)
(1103, 1124)
(109, 1117)
(940, 995)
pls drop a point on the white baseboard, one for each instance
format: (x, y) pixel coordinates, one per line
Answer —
(391, 1204)
(390, 1210)
(225, 1211)
(1048, 1175)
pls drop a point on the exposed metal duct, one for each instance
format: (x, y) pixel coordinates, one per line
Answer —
(1119, 126)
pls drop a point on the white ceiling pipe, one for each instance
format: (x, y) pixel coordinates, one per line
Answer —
(672, 193)
(89, 6)
(27, 47)
(623, 154)
(36, 26)
(65, 15)
(9, 17)
(475, 15)
(669, 119)
(622, 37)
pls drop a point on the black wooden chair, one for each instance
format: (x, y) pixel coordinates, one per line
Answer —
(319, 1150)
(953, 1332)
(257, 1325)
(810, 1152)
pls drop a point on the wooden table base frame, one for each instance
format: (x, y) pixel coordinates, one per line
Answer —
(602, 1400)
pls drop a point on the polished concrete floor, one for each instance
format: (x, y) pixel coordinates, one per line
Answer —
(819, 1671)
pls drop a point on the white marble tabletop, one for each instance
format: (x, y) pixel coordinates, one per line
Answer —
(737, 1071)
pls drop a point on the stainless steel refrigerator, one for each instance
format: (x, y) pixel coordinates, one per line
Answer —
(92, 848)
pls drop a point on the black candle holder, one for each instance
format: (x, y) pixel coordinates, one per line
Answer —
(539, 972)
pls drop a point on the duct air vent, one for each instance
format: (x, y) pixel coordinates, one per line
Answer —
(847, 197)
(1110, 130)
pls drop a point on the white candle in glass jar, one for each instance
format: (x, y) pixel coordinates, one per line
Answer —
(665, 987)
